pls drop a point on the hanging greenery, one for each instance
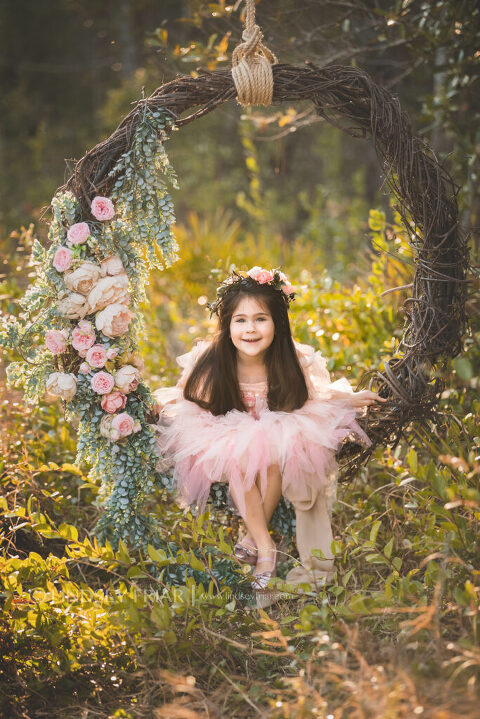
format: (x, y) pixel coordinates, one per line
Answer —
(79, 330)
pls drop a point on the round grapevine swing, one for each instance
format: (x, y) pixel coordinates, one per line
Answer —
(115, 211)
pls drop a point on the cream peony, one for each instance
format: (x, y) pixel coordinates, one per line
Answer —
(107, 291)
(106, 426)
(112, 265)
(61, 384)
(113, 321)
(83, 279)
(127, 378)
(72, 305)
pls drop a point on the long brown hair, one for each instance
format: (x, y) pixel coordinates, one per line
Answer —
(213, 382)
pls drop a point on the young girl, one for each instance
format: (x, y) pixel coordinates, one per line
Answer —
(257, 410)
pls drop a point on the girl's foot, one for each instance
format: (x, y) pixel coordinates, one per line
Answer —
(265, 568)
(246, 551)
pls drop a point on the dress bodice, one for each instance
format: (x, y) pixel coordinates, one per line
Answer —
(254, 395)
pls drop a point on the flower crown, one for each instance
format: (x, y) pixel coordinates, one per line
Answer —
(276, 279)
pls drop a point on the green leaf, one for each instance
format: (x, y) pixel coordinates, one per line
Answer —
(387, 550)
(374, 530)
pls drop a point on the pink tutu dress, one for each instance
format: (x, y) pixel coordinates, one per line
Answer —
(239, 446)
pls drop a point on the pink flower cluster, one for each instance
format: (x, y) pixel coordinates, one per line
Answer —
(262, 276)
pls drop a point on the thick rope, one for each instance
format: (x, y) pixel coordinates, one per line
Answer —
(252, 64)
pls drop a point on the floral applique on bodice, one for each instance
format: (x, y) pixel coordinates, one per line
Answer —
(254, 396)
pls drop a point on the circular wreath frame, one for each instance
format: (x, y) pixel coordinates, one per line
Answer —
(426, 195)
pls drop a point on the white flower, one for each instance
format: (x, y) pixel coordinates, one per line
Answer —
(83, 279)
(113, 321)
(109, 290)
(127, 378)
(112, 265)
(72, 305)
(61, 384)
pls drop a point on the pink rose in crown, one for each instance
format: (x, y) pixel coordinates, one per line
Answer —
(55, 341)
(102, 382)
(83, 336)
(62, 259)
(264, 276)
(122, 425)
(113, 402)
(96, 356)
(287, 288)
(102, 208)
(78, 233)
(253, 272)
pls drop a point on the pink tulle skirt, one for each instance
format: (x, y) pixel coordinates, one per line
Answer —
(239, 446)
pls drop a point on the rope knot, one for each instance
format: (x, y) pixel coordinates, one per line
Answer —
(252, 64)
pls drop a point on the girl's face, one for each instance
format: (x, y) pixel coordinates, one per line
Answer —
(251, 328)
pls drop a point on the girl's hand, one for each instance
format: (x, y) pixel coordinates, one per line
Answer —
(365, 398)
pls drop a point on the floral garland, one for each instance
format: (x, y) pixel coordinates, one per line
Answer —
(275, 278)
(84, 305)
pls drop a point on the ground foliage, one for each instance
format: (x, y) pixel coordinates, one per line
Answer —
(126, 633)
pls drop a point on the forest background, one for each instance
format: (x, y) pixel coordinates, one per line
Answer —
(397, 633)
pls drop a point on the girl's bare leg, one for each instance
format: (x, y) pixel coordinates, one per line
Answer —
(258, 514)
(256, 524)
(273, 495)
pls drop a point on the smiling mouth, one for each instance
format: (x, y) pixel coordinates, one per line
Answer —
(257, 340)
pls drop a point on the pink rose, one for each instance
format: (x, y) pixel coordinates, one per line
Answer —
(113, 402)
(55, 341)
(112, 352)
(102, 382)
(83, 336)
(264, 276)
(122, 425)
(253, 272)
(62, 259)
(102, 208)
(84, 368)
(96, 356)
(78, 233)
(287, 288)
